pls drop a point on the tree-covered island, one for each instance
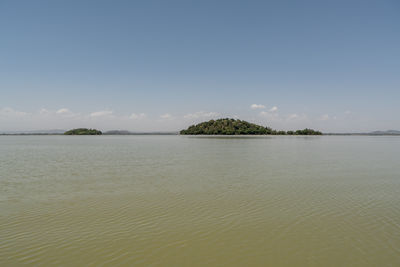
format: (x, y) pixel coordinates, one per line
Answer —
(83, 131)
(238, 127)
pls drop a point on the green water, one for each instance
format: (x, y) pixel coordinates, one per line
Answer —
(199, 201)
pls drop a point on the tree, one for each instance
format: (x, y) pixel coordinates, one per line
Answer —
(83, 131)
(236, 127)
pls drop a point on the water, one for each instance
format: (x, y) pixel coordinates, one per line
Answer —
(199, 201)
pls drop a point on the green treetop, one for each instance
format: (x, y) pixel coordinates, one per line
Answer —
(238, 127)
(83, 131)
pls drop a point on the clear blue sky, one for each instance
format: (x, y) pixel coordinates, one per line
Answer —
(162, 65)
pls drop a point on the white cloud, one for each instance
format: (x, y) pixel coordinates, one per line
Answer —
(257, 106)
(298, 118)
(166, 116)
(201, 114)
(101, 113)
(9, 112)
(42, 119)
(324, 117)
(274, 109)
(271, 116)
(137, 116)
(63, 111)
(44, 111)
(293, 116)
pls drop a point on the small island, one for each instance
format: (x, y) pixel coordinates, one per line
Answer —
(83, 131)
(229, 126)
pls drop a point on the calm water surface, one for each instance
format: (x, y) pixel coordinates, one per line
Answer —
(198, 201)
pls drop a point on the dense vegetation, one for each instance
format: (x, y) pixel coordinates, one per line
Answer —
(305, 132)
(83, 131)
(225, 126)
(118, 132)
(239, 127)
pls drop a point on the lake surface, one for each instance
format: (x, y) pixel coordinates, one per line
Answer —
(199, 201)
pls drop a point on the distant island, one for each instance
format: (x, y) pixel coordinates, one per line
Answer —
(83, 131)
(229, 126)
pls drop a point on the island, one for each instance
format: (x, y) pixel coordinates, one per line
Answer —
(83, 131)
(229, 126)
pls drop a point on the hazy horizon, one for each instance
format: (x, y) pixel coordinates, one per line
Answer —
(158, 66)
(58, 131)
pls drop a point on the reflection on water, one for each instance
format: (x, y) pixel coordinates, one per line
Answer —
(195, 201)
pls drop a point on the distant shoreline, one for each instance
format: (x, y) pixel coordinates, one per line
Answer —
(175, 133)
(155, 133)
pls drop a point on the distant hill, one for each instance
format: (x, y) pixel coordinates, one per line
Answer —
(388, 132)
(34, 132)
(83, 131)
(229, 126)
(60, 132)
(125, 132)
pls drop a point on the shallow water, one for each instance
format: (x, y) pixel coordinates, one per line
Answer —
(199, 201)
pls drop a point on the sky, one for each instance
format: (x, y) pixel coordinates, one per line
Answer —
(163, 65)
